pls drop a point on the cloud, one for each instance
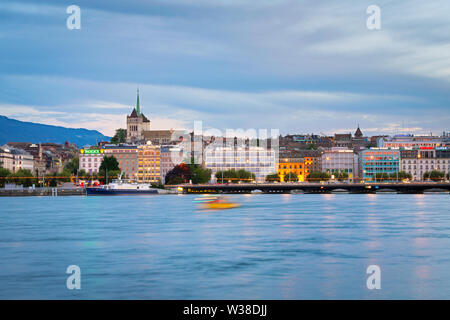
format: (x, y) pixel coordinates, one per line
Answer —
(300, 66)
(177, 107)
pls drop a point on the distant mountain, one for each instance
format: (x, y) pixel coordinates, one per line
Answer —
(19, 131)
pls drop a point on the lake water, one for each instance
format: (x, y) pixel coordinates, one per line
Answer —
(273, 247)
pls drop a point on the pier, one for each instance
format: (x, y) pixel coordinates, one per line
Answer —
(317, 188)
(52, 192)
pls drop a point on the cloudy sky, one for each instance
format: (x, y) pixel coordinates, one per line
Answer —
(297, 66)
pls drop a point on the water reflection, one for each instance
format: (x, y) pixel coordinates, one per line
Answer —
(272, 247)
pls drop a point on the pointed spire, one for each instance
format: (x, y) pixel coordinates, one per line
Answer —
(138, 107)
(358, 132)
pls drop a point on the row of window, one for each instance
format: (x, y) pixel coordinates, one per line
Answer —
(426, 161)
(427, 167)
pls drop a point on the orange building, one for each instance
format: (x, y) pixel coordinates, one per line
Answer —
(291, 166)
(312, 164)
(149, 163)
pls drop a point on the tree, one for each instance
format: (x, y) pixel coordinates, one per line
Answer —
(72, 166)
(292, 177)
(316, 176)
(434, 175)
(82, 174)
(199, 174)
(4, 173)
(120, 136)
(51, 179)
(274, 177)
(234, 176)
(340, 175)
(181, 173)
(381, 176)
(109, 168)
(23, 177)
(401, 175)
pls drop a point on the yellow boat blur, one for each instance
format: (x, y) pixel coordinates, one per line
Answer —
(216, 203)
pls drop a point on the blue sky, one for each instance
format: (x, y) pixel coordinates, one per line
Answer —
(297, 66)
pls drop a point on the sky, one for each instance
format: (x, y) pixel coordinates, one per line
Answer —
(297, 66)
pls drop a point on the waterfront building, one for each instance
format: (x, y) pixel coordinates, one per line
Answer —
(127, 156)
(90, 159)
(6, 158)
(288, 167)
(426, 159)
(48, 157)
(411, 141)
(338, 160)
(15, 159)
(312, 163)
(171, 155)
(22, 160)
(149, 163)
(257, 160)
(378, 161)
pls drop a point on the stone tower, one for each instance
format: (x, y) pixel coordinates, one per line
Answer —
(137, 123)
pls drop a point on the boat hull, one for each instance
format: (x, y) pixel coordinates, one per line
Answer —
(117, 192)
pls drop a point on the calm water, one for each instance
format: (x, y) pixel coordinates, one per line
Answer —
(273, 247)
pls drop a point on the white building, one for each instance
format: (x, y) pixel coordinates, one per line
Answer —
(15, 159)
(90, 160)
(257, 160)
(6, 158)
(426, 160)
(340, 160)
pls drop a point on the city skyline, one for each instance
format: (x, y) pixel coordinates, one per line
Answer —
(298, 66)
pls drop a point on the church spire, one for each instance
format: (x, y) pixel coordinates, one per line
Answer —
(138, 108)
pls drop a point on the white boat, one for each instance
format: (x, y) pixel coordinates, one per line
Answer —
(122, 187)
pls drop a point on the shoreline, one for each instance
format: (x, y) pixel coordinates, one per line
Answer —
(438, 188)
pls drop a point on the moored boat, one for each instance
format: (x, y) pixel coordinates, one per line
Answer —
(120, 187)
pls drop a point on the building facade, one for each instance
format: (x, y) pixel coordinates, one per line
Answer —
(288, 167)
(379, 161)
(410, 141)
(127, 156)
(257, 160)
(14, 159)
(149, 163)
(90, 159)
(312, 164)
(425, 160)
(342, 160)
(6, 158)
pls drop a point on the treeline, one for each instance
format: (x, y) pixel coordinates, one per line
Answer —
(109, 168)
(185, 173)
(234, 176)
